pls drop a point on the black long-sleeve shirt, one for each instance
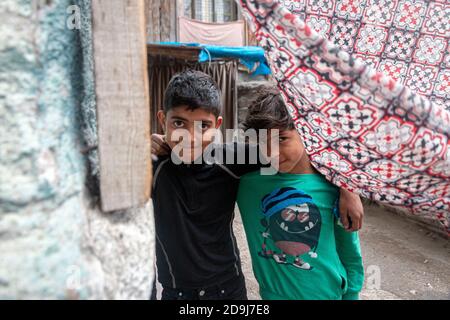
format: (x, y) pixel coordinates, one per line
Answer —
(194, 211)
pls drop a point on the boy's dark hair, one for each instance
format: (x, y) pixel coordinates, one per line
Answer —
(268, 112)
(193, 89)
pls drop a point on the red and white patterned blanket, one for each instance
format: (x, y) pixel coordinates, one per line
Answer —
(368, 84)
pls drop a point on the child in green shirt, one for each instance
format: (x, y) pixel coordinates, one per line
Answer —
(298, 247)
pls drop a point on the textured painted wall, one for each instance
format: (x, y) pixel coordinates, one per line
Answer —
(54, 242)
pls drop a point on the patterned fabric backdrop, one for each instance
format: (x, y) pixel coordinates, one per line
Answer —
(407, 40)
(385, 135)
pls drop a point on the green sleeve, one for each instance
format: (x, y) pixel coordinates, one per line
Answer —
(349, 251)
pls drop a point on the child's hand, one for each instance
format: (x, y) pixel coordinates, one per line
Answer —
(159, 145)
(351, 210)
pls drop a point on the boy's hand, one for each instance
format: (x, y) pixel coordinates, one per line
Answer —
(159, 145)
(351, 210)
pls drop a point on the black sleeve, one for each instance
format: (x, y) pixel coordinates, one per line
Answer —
(156, 163)
(242, 158)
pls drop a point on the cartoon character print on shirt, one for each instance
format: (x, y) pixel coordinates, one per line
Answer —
(292, 223)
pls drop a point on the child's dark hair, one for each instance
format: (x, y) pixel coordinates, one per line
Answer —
(268, 112)
(193, 89)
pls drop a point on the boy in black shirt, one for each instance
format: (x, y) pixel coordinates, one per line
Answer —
(196, 252)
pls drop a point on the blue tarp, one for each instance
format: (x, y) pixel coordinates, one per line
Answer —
(251, 56)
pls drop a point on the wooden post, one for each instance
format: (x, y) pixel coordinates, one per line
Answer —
(153, 8)
(179, 13)
(165, 17)
(121, 80)
(162, 19)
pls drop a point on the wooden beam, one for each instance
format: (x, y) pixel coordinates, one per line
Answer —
(177, 52)
(121, 81)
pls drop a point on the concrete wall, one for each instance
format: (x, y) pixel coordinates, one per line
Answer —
(54, 241)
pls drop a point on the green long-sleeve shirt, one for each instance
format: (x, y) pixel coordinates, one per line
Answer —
(298, 249)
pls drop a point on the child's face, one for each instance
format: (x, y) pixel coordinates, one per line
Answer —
(290, 151)
(182, 120)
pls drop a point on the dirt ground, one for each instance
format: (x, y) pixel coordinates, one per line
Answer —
(412, 263)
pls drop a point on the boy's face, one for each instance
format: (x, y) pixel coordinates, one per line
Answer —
(179, 121)
(290, 151)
